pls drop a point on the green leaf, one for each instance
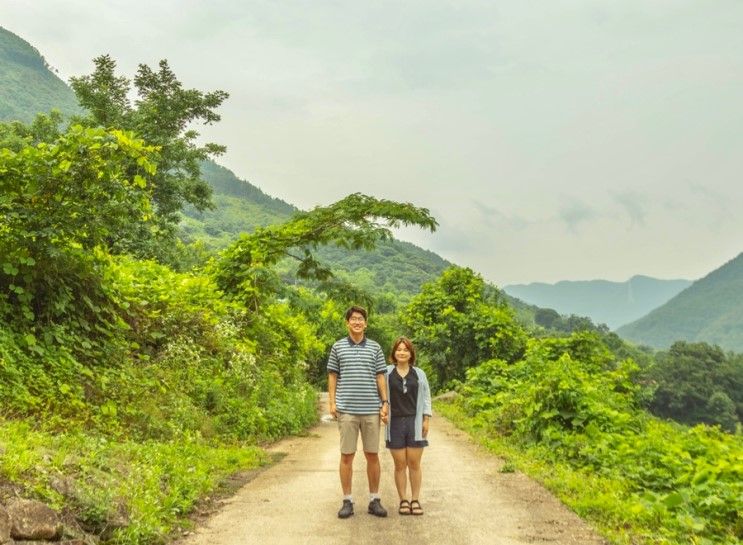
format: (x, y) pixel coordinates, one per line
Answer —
(673, 500)
(701, 477)
(109, 409)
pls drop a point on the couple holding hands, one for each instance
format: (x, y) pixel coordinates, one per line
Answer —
(362, 391)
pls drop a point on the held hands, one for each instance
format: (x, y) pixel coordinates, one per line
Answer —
(383, 413)
(333, 411)
(425, 428)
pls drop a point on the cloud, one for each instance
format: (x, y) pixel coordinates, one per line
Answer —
(493, 217)
(576, 213)
(710, 196)
(633, 205)
(715, 205)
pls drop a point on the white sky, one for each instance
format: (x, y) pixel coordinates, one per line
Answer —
(553, 140)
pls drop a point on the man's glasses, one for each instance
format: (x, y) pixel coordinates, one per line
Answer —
(357, 320)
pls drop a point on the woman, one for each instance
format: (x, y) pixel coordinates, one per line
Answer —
(407, 428)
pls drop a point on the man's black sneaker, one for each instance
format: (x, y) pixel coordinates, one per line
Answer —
(376, 509)
(347, 509)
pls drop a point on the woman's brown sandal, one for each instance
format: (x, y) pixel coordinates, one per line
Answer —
(415, 508)
(404, 508)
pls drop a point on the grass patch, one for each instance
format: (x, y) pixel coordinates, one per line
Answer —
(125, 492)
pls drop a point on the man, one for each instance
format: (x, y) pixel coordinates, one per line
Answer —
(357, 393)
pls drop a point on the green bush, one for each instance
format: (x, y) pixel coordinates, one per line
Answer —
(186, 361)
(568, 404)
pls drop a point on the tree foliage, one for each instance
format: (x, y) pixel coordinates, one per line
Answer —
(458, 321)
(245, 270)
(59, 200)
(697, 382)
(161, 115)
(240, 207)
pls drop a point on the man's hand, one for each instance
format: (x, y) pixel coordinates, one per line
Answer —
(383, 413)
(425, 427)
(332, 382)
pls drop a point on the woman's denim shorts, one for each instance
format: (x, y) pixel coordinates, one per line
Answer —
(402, 433)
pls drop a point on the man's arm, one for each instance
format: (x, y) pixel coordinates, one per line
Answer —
(382, 387)
(332, 383)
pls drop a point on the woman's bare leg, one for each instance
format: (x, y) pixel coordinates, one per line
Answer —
(413, 456)
(401, 479)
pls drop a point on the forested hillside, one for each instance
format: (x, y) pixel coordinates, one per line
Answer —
(710, 310)
(27, 84)
(239, 207)
(605, 302)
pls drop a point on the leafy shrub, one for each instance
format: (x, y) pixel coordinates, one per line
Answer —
(570, 395)
(568, 403)
(180, 360)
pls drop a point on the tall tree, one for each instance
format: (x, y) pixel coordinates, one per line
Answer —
(458, 322)
(697, 382)
(162, 115)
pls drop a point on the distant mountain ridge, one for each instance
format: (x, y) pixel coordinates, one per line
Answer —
(605, 302)
(710, 310)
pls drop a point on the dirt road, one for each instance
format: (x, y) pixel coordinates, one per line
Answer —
(465, 497)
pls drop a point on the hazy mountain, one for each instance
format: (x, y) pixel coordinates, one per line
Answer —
(240, 207)
(27, 83)
(605, 302)
(709, 310)
(28, 86)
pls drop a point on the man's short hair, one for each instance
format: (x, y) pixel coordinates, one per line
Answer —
(359, 310)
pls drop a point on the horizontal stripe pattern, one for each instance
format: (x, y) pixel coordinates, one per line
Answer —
(357, 367)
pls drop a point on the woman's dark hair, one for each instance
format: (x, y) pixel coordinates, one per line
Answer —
(407, 342)
(360, 310)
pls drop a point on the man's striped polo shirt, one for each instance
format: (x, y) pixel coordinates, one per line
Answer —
(357, 367)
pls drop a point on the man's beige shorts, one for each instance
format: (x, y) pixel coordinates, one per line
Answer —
(349, 426)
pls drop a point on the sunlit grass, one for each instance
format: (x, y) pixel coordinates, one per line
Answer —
(147, 488)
